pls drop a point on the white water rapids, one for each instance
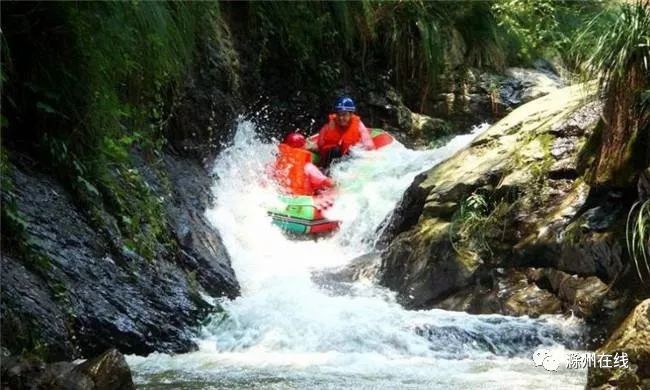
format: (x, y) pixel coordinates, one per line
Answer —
(287, 330)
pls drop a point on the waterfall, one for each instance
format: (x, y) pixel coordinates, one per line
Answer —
(289, 330)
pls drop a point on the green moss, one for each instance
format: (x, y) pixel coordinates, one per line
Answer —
(15, 237)
(139, 211)
(193, 284)
(589, 151)
(26, 338)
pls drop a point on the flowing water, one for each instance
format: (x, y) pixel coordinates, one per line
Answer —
(291, 328)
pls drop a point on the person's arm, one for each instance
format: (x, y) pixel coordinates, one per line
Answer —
(317, 179)
(320, 142)
(366, 138)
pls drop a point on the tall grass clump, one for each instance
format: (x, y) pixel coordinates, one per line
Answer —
(621, 49)
(620, 57)
(637, 232)
(420, 42)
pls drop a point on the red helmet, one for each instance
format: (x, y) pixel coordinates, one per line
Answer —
(295, 140)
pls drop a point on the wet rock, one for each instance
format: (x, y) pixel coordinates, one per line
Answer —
(441, 208)
(467, 98)
(525, 85)
(643, 186)
(428, 128)
(633, 338)
(510, 293)
(339, 281)
(20, 372)
(576, 238)
(388, 111)
(87, 292)
(202, 251)
(582, 296)
(593, 254)
(508, 162)
(108, 371)
(362, 267)
(563, 169)
(470, 96)
(580, 122)
(531, 292)
(30, 313)
(202, 113)
(562, 147)
(423, 267)
(406, 214)
(520, 297)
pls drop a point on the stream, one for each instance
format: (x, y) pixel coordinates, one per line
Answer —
(292, 327)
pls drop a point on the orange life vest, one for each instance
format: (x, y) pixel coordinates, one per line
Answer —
(290, 170)
(334, 136)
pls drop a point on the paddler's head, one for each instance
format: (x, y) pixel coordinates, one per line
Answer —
(344, 109)
(295, 140)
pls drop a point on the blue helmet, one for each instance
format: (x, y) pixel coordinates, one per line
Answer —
(345, 103)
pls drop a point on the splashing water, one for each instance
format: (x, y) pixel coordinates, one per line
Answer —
(286, 330)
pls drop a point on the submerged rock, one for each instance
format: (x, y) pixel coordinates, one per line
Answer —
(340, 281)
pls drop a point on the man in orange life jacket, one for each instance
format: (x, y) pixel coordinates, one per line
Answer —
(343, 130)
(294, 171)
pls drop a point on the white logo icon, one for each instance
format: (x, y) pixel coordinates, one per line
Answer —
(549, 359)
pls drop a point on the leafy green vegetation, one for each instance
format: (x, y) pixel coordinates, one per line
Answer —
(545, 29)
(87, 83)
(478, 224)
(622, 49)
(327, 43)
(620, 57)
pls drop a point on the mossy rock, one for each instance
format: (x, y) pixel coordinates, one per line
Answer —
(633, 338)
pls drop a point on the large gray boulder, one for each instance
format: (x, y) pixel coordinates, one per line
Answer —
(541, 244)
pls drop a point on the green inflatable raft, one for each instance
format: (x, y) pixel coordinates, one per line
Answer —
(304, 214)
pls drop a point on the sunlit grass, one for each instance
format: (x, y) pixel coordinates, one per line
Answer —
(637, 234)
(622, 48)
